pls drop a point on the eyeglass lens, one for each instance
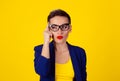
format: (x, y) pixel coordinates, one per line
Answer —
(63, 27)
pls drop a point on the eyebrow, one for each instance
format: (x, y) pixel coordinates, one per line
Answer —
(61, 24)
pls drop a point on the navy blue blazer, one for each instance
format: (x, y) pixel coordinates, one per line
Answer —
(46, 67)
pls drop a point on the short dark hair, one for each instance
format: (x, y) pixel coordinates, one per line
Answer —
(58, 12)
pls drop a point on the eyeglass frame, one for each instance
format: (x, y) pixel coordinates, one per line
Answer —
(60, 26)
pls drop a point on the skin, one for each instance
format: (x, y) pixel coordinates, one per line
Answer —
(61, 50)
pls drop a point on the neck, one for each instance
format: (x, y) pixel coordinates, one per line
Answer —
(60, 46)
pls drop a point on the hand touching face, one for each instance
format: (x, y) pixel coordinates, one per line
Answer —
(47, 35)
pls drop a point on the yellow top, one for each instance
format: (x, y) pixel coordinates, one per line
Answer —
(64, 72)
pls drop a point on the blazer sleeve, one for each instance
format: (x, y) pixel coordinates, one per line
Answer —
(83, 64)
(82, 60)
(41, 64)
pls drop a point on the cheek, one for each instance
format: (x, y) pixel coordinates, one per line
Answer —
(66, 34)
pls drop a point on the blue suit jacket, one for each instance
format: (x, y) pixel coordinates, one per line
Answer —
(46, 67)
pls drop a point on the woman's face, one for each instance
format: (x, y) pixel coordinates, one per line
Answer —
(60, 28)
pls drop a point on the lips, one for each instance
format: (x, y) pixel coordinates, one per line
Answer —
(59, 37)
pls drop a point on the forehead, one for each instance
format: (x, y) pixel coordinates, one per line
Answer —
(59, 20)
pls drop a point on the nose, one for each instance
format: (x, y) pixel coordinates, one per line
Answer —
(60, 31)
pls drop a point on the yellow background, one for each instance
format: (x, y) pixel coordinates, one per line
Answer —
(96, 27)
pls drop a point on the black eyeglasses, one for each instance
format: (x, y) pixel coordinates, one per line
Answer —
(63, 27)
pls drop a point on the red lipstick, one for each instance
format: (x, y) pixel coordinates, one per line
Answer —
(59, 37)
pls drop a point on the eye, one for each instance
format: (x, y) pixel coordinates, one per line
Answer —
(65, 26)
(53, 26)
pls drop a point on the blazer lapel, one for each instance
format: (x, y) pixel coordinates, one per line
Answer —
(75, 62)
(52, 58)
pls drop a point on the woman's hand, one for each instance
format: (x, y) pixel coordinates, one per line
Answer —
(47, 35)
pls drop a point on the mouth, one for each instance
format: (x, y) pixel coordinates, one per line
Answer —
(59, 37)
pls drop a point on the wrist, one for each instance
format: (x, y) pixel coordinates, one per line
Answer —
(46, 42)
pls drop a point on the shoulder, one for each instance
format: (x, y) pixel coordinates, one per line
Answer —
(78, 50)
(38, 47)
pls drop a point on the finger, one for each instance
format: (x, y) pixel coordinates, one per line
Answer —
(50, 34)
(47, 29)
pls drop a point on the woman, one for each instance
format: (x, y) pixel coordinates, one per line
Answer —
(58, 60)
